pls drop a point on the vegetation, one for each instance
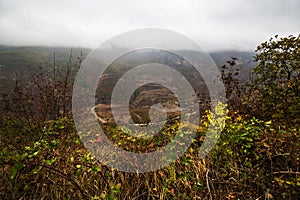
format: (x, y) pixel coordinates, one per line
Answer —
(278, 79)
(256, 157)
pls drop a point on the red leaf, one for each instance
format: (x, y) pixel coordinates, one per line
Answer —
(99, 139)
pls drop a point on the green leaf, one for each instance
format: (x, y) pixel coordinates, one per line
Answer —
(34, 154)
(50, 162)
(15, 169)
(36, 170)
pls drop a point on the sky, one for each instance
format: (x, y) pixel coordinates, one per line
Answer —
(214, 24)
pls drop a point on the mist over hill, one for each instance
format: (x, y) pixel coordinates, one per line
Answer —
(15, 60)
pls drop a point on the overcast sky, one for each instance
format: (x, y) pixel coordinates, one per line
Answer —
(214, 24)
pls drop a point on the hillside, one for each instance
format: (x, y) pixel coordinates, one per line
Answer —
(16, 60)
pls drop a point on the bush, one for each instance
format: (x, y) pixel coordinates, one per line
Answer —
(255, 159)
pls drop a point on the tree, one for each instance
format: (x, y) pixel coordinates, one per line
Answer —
(277, 78)
(42, 94)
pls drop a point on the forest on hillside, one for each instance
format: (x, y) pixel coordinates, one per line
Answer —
(256, 157)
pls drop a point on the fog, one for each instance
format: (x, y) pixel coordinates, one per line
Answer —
(214, 24)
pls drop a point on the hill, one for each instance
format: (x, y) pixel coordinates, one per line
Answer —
(15, 60)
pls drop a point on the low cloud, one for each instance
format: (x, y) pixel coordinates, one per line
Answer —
(216, 24)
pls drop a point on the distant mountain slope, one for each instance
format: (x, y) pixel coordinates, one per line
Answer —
(17, 59)
(245, 61)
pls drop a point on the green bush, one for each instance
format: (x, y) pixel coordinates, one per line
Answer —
(256, 158)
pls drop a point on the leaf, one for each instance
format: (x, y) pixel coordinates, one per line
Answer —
(268, 122)
(34, 154)
(50, 162)
(15, 169)
(36, 170)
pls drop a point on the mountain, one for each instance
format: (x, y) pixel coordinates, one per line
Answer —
(245, 61)
(15, 60)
